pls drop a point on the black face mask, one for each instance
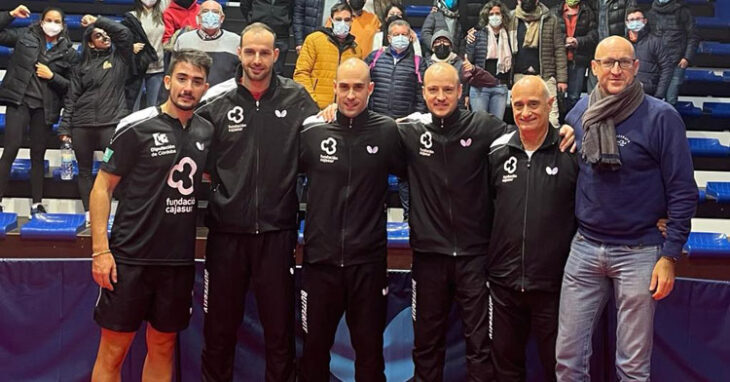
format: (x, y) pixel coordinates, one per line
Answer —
(184, 3)
(528, 6)
(442, 51)
(357, 5)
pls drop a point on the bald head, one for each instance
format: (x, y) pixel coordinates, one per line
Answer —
(441, 71)
(210, 5)
(533, 85)
(441, 89)
(614, 43)
(531, 105)
(354, 67)
(615, 64)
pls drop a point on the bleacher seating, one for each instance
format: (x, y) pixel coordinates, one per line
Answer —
(719, 191)
(417, 10)
(8, 222)
(707, 244)
(20, 169)
(54, 227)
(708, 147)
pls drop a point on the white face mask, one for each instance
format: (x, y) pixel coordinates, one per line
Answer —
(340, 28)
(51, 29)
(399, 43)
(149, 3)
(495, 20)
(210, 20)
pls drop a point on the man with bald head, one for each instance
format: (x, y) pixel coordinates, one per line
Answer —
(219, 43)
(635, 168)
(347, 162)
(532, 185)
(252, 207)
(451, 215)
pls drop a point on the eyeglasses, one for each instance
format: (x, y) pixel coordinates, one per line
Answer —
(623, 63)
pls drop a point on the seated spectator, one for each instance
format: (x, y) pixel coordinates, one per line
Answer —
(540, 48)
(491, 50)
(655, 66)
(322, 52)
(178, 15)
(672, 21)
(220, 44)
(277, 14)
(364, 26)
(95, 102)
(578, 22)
(445, 17)
(394, 12)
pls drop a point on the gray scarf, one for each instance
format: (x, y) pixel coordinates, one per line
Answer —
(599, 124)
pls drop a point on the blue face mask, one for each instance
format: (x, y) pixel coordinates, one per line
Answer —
(340, 28)
(635, 25)
(399, 43)
(210, 20)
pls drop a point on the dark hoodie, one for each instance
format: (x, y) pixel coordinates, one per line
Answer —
(674, 24)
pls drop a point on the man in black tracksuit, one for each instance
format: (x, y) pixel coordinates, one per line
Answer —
(252, 207)
(446, 152)
(347, 163)
(533, 188)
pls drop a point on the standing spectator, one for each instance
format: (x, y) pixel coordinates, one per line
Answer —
(33, 89)
(394, 12)
(491, 49)
(442, 47)
(534, 221)
(578, 23)
(178, 15)
(610, 16)
(655, 66)
(445, 17)
(147, 27)
(540, 48)
(322, 52)
(672, 21)
(635, 168)
(95, 101)
(309, 15)
(277, 14)
(364, 26)
(220, 44)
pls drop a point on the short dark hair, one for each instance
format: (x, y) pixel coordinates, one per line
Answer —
(631, 10)
(257, 27)
(339, 7)
(194, 57)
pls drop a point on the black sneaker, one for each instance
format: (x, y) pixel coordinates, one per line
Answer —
(37, 212)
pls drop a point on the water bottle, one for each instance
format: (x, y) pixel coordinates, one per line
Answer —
(67, 161)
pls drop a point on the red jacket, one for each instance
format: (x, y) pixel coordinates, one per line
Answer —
(177, 17)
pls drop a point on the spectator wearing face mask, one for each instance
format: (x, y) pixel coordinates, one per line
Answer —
(491, 50)
(322, 51)
(540, 48)
(178, 15)
(394, 12)
(672, 21)
(364, 26)
(445, 17)
(220, 44)
(655, 65)
(578, 22)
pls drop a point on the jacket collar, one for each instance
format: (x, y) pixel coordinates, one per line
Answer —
(347, 43)
(242, 90)
(447, 122)
(551, 138)
(359, 121)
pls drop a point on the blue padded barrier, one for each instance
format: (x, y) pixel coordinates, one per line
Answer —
(5, 51)
(707, 244)
(720, 191)
(702, 195)
(20, 169)
(2, 123)
(418, 10)
(688, 109)
(392, 183)
(711, 22)
(87, 1)
(714, 48)
(54, 227)
(8, 222)
(702, 75)
(707, 147)
(717, 109)
(72, 21)
(398, 235)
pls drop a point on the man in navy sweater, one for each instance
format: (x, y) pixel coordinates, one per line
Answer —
(636, 167)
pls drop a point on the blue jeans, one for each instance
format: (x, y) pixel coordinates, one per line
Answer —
(591, 270)
(492, 100)
(576, 78)
(151, 85)
(674, 84)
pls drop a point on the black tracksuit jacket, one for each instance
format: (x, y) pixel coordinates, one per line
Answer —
(253, 163)
(534, 213)
(347, 163)
(451, 210)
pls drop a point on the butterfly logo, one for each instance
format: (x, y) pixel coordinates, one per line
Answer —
(372, 149)
(280, 113)
(466, 142)
(200, 145)
(551, 170)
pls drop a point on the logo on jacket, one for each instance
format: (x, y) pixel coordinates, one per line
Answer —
(160, 139)
(372, 149)
(200, 146)
(162, 145)
(329, 146)
(622, 140)
(510, 166)
(427, 143)
(184, 182)
(235, 115)
(280, 113)
(551, 170)
(465, 142)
